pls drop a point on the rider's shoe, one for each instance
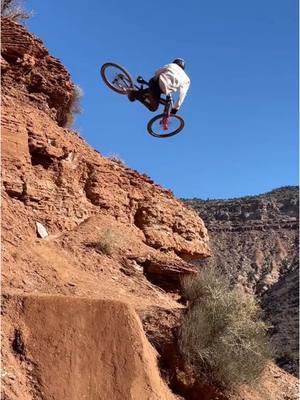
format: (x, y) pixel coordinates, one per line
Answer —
(132, 95)
(141, 80)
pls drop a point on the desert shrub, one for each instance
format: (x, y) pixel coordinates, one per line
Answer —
(106, 242)
(74, 106)
(222, 335)
(15, 10)
(116, 159)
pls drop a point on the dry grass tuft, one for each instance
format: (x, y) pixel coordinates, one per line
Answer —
(74, 106)
(106, 243)
(15, 10)
(117, 159)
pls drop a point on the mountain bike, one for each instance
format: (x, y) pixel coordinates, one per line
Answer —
(119, 80)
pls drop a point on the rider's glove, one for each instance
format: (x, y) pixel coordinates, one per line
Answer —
(174, 111)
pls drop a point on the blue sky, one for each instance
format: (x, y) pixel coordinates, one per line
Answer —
(241, 112)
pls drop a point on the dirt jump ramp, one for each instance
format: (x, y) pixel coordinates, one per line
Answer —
(63, 348)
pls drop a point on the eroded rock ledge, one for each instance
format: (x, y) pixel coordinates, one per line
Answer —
(52, 177)
(29, 71)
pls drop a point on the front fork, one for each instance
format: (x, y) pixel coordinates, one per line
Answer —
(167, 112)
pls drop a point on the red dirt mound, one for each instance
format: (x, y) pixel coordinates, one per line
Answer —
(74, 349)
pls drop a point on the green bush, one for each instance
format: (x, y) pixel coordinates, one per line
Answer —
(222, 335)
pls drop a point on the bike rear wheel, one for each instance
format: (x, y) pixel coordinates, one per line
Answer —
(117, 78)
(156, 128)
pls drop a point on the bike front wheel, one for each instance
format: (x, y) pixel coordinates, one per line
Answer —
(157, 128)
(117, 78)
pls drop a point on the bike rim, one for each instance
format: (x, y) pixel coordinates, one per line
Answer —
(157, 127)
(117, 79)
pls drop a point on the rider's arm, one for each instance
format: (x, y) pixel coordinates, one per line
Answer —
(182, 91)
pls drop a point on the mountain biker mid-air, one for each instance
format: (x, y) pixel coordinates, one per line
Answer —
(168, 79)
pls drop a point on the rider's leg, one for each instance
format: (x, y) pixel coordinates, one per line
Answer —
(150, 101)
(132, 95)
(154, 94)
(149, 97)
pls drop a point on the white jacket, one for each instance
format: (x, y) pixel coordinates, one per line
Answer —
(171, 78)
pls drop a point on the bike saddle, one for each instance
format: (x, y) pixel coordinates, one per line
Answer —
(141, 80)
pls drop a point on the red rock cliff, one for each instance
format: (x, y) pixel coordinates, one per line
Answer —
(111, 232)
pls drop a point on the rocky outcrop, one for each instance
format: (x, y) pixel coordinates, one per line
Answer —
(52, 177)
(278, 207)
(30, 73)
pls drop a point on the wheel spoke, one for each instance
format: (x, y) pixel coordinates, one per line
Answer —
(116, 77)
(159, 126)
(164, 127)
